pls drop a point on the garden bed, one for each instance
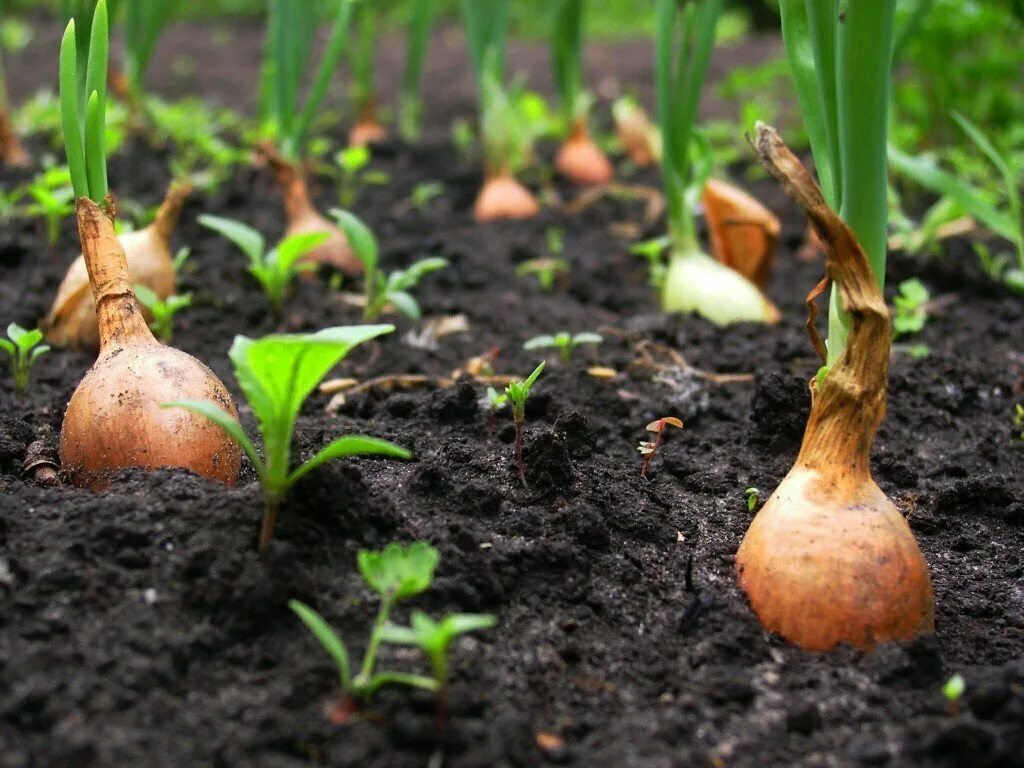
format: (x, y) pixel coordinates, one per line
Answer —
(138, 626)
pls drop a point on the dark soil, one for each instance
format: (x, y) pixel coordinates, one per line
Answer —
(139, 627)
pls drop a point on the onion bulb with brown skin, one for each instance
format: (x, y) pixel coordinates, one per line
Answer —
(367, 129)
(71, 321)
(639, 137)
(581, 161)
(114, 419)
(304, 218)
(829, 559)
(12, 152)
(503, 197)
(743, 232)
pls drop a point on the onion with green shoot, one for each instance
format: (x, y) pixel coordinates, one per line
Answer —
(829, 559)
(367, 128)
(506, 142)
(694, 282)
(114, 420)
(410, 107)
(291, 27)
(579, 159)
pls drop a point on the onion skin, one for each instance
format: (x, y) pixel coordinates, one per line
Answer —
(71, 321)
(829, 559)
(12, 152)
(304, 218)
(114, 419)
(502, 197)
(367, 129)
(743, 232)
(581, 161)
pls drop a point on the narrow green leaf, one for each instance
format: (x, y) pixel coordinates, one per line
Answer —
(95, 151)
(360, 238)
(351, 445)
(405, 304)
(70, 126)
(328, 638)
(226, 422)
(246, 238)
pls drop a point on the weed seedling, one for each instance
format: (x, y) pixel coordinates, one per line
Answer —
(384, 290)
(564, 342)
(911, 308)
(181, 257)
(162, 310)
(1018, 418)
(353, 162)
(495, 402)
(547, 271)
(753, 498)
(953, 690)
(424, 192)
(53, 200)
(518, 391)
(23, 349)
(275, 270)
(277, 373)
(649, 449)
(653, 252)
(395, 573)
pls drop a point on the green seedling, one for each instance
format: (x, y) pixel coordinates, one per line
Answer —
(181, 256)
(384, 290)
(276, 374)
(518, 391)
(353, 162)
(1018, 418)
(424, 192)
(496, 401)
(649, 449)
(53, 200)
(753, 497)
(410, 111)
(275, 270)
(653, 252)
(162, 310)
(554, 238)
(953, 691)
(395, 573)
(463, 137)
(547, 271)
(564, 342)
(23, 349)
(911, 308)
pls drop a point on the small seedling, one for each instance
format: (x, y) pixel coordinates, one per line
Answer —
(275, 270)
(753, 498)
(23, 349)
(653, 252)
(564, 342)
(381, 290)
(649, 449)
(495, 402)
(555, 239)
(181, 257)
(1018, 418)
(911, 308)
(518, 391)
(424, 192)
(162, 310)
(395, 573)
(353, 162)
(547, 271)
(277, 373)
(462, 137)
(53, 200)
(953, 690)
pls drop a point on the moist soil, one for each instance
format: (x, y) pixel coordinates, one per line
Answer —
(138, 626)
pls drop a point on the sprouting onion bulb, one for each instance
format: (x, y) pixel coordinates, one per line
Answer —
(114, 419)
(579, 159)
(743, 232)
(367, 128)
(71, 321)
(694, 282)
(829, 559)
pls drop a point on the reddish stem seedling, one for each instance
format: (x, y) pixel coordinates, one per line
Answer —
(649, 449)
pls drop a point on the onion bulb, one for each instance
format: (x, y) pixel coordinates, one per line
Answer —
(71, 321)
(503, 197)
(304, 218)
(367, 129)
(12, 151)
(114, 419)
(581, 161)
(743, 232)
(639, 137)
(697, 283)
(829, 559)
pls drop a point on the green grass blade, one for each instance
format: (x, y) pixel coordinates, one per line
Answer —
(70, 126)
(325, 71)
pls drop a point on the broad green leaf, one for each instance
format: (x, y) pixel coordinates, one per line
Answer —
(399, 572)
(328, 638)
(8, 347)
(587, 338)
(294, 247)
(408, 278)
(246, 238)
(225, 421)
(539, 342)
(146, 297)
(360, 238)
(405, 304)
(351, 445)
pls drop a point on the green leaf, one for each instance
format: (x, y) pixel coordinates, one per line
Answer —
(399, 572)
(294, 247)
(328, 638)
(540, 342)
(353, 158)
(70, 126)
(246, 238)
(410, 277)
(8, 347)
(360, 238)
(533, 376)
(587, 338)
(462, 623)
(405, 304)
(223, 420)
(352, 445)
(146, 297)
(396, 635)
